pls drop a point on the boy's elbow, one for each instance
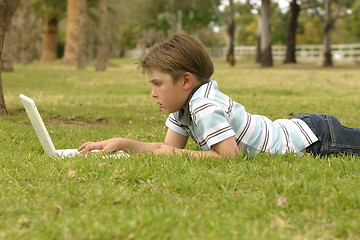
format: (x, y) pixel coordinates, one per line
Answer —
(227, 148)
(231, 154)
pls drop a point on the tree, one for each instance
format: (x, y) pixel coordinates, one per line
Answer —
(170, 16)
(264, 51)
(25, 54)
(72, 33)
(247, 27)
(7, 58)
(292, 21)
(184, 15)
(49, 40)
(231, 27)
(229, 22)
(328, 26)
(351, 30)
(253, 5)
(7, 9)
(175, 19)
(265, 41)
(102, 37)
(295, 6)
(278, 24)
(309, 28)
(258, 37)
(332, 11)
(50, 12)
(247, 23)
(81, 61)
(199, 15)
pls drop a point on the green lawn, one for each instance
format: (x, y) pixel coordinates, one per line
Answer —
(172, 197)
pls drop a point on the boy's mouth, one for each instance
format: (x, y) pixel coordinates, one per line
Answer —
(160, 105)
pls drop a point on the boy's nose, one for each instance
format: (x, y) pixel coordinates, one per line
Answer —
(153, 93)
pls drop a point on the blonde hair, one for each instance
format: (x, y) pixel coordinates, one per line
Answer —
(177, 55)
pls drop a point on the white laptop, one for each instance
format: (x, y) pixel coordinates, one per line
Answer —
(43, 134)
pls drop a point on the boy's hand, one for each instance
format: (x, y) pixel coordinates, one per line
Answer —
(106, 146)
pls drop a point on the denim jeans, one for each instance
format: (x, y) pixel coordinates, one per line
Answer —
(334, 138)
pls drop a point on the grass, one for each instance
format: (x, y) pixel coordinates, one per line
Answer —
(171, 197)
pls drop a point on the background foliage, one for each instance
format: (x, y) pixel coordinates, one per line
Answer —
(141, 23)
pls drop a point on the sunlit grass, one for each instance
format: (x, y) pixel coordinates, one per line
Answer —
(176, 197)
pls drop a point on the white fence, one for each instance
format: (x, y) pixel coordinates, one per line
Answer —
(312, 53)
(135, 53)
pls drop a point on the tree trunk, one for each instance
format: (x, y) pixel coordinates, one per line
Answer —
(230, 56)
(102, 37)
(7, 9)
(49, 41)
(175, 20)
(179, 17)
(229, 21)
(92, 39)
(7, 58)
(81, 63)
(266, 52)
(328, 26)
(72, 33)
(25, 53)
(290, 56)
(258, 36)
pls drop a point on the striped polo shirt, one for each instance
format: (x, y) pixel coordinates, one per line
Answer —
(215, 117)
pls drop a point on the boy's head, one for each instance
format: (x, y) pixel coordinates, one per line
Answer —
(177, 55)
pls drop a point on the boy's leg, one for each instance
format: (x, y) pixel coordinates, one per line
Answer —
(334, 138)
(344, 140)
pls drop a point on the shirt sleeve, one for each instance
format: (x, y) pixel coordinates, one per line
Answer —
(174, 125)
(211, 121)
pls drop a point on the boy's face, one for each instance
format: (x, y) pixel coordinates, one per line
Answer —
(171, 97)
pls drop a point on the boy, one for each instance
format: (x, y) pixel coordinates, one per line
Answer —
(179, 70)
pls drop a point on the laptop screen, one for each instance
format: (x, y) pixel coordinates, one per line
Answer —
(38, 125)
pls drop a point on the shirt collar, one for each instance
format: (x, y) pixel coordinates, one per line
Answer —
(184, 113)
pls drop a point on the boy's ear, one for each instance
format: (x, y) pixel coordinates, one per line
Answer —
(188, 80)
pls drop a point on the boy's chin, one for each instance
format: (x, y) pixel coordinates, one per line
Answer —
(170, 111)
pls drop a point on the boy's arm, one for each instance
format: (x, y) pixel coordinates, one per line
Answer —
(116, 144)
(225, 148)
(175, 139)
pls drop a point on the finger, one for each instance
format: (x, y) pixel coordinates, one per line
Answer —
(92, 146)
(83, 146)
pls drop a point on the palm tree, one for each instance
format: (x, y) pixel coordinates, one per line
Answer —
(25, 54)
(50, 12)
(102, 37)
(81, 61)
(72, 32)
